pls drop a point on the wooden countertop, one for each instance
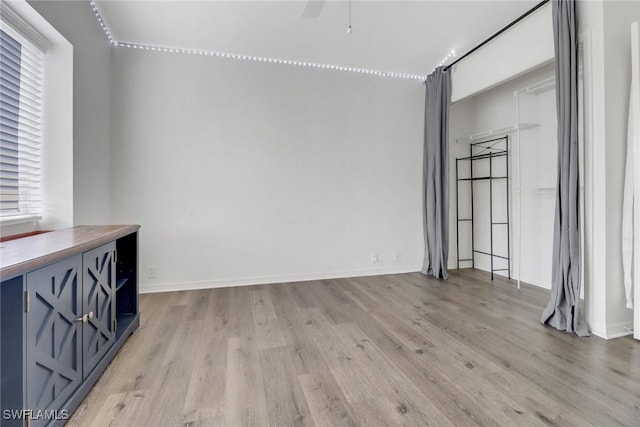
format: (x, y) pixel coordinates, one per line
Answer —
(33, 252)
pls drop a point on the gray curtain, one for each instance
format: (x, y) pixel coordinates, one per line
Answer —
(436, 173)
(563, 311)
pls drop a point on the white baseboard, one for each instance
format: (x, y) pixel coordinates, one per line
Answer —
(619, 329)
(615, 330)
(146, 288)
(599, 330)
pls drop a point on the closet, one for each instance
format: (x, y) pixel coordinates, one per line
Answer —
(512, 219)
(506, 89)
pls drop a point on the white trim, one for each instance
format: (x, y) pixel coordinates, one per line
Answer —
(592, 309)
(599, 330)
(24, 28)
(496, 132)
(19, 219)
(635, 105)
(619, 329)
(611, 331)
(146, 288)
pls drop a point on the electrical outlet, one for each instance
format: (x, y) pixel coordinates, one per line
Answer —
(151, 271)
(374, 258)
(397, 257)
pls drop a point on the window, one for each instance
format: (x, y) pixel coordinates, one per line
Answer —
(21, 77)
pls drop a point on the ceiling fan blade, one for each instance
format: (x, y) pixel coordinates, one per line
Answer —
(313, 9)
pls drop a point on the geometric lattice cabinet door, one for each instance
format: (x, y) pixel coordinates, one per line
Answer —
(54, 340)
(99, 277)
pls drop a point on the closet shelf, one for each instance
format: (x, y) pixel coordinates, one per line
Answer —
(493, 132)
(482, 178)
(541, 86)
(544, 190)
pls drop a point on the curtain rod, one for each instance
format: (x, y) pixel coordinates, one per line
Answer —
(511, 24)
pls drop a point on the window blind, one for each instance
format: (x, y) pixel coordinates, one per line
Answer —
(21, 79)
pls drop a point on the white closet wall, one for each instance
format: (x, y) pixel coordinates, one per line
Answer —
(526, 45)
(635, 105)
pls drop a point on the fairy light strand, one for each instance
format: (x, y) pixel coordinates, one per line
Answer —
(102, 23)
(236, 56)
(450, 55)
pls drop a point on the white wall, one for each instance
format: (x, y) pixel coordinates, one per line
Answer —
(604, 25)
(244, 172)
(591, 30)
(635, 124)
(57, 146)
(91, 109)
(617, 61)
(515, 52)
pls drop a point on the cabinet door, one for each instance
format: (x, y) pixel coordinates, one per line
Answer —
(54, 342)
(98, 283)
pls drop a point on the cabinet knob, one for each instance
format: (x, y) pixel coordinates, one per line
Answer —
(85, 317)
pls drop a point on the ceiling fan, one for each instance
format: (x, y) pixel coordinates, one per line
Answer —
(312, 9)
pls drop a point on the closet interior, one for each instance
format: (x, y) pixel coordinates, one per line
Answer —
(503, 152)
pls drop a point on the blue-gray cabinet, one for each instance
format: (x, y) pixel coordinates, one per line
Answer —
(98, 295)
(53, 334)
(69, 300)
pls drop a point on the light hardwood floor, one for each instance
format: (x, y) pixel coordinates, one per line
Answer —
(373, 351)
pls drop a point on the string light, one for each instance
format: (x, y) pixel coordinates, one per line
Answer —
(269, 60)
(249, 57)
(102, 23)
(449, 56)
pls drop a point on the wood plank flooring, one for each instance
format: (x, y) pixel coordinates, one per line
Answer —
(372, 351)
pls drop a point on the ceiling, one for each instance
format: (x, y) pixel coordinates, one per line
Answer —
(400, 36)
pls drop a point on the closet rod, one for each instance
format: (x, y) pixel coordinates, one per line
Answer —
(511, 24)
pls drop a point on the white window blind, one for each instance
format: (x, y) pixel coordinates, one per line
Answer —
(21, 79)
